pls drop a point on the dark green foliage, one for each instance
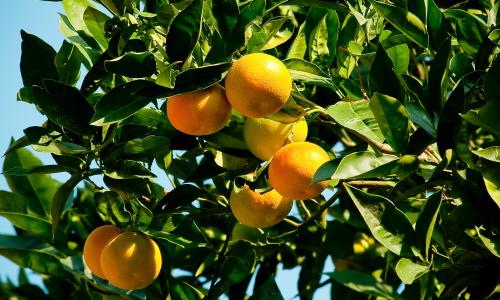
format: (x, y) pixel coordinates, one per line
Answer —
(406, 92)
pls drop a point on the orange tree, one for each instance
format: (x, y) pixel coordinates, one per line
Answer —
(402, 96)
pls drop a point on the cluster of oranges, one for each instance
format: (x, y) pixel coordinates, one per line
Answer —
(128, 260)
(256, 86)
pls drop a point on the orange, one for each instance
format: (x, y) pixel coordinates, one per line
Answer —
(293, 167)
(265, 136)
(257, 210)
(94, 245)
(131, 261)
(258, 84)
(200, 112)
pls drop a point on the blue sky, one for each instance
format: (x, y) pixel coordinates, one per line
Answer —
(41, 18)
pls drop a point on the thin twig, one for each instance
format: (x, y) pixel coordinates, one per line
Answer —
(381, 147)
(313, 217)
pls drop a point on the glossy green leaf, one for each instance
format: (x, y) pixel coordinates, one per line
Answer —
(364, 283)
(450, 121)
(383, 78)
(272, 34)
(226, 15)
(471, 30)
(485, 117)
(358, 117)
(393, 119)
(28, 252)
(490, 153)
(490, 241)
(126, 169)
(95, 75)
(61, 198)
(132, 64)
(356, 164)
(409, 271)
(111, 208)
(397, 50)
(68, 62)
(491, 177)
(184, 32)
(386, 222)
(121, 102)
(307, 72)
(141, 216)
(348, 32)
(95, 21)
(426, 222)
(40, 189)
(47, 169)
(148, 146)
(37, 60)
(323, 40)
(14, 208)
(438, 78)
(268, 290)
(404, 21)
(491, 81)
(65, 106)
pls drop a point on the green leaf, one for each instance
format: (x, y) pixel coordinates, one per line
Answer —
(132, 64)
(166, 78)
(125, 169)
(383, 78)
(29, 252)
(308, 73)
(95, 75)
(386, 222)
(111, 208)
(65, 106)
(61, 198)
(404, 21)
(358, 117)
(239, 262)
(491, 153)
(18, 144)
(95, 21)
(174, 239)
(184, 32)
(40, 189)
(68, 62)
(399, 53)
(121, 102)
(272, 34)
(268, 290)
(408, 271)
(490, 241)
(364, 283)
(485, 117)
(348, 33)
(37, 60)
(448, 128)
(47, 169)
(146, 147)
(393, 119)
(356, 164)
(426, 222)
(471, 30)
(439, 78)
(225, 13)
(323, 40)
(14, 208)
(491, 177)
(491, 81)
(142, 216)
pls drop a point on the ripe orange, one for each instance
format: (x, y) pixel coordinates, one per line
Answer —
(259, 210)
(95, 243)
(131, 261)
(293, 167)
(199, 112)
(258, 84)
(265, 136)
